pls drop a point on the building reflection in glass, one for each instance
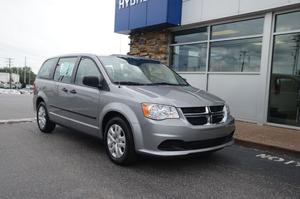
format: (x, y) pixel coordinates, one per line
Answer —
(284, 104)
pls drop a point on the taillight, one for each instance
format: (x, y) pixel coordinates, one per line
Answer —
(34, 88)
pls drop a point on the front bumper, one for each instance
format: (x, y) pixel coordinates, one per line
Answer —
(155, 133)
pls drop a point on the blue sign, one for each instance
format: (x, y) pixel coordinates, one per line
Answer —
(140, 14)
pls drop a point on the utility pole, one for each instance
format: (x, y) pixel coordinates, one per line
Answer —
(29, 74)
(242, 57)
(9, 66)
(25, 70)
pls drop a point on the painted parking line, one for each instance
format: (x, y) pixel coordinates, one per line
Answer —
(278, 159)
(13, 121)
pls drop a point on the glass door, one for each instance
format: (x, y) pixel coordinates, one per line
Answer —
(284, 101)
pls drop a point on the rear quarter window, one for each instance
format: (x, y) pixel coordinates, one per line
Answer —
(47, 68)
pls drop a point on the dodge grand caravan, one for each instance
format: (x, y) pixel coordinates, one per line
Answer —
(135, 105)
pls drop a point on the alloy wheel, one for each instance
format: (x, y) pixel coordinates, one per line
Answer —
(42, 117)
(116, 141)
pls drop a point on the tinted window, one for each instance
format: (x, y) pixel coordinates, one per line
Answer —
(86, 68)
(286, 54)
(46, 69)
(238, 29)
(193, 35)
(189, 57)
(134, 71)
(64, 69)
(288, 22)
(284, 106)
(236, 56)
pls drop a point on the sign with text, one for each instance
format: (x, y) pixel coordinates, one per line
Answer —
(140, 14)
(127, 3)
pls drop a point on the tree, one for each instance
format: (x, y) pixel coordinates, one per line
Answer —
(30, 75)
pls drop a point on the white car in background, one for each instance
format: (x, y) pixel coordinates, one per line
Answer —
(6, 85)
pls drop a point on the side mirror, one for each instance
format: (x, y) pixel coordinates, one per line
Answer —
(92, 81)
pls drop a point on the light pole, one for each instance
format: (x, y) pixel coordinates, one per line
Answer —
(29, 74)
(9, 66)
(25, 70)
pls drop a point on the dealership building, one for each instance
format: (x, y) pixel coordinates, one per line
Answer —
(244, 51)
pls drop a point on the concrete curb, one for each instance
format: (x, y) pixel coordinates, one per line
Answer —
(14, 121)
(269, 147)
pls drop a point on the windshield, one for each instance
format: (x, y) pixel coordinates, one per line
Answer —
(134, 71)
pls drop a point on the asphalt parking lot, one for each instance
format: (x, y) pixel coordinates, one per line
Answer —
(16, 106)
(70, 164)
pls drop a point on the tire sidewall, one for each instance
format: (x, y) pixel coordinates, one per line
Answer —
(129, 145)
(42, 104)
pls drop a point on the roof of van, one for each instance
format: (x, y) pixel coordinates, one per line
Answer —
(94, 55)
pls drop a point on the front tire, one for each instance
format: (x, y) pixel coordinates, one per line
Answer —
(43, 121)
(119, 142)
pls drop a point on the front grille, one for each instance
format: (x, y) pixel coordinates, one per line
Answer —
(179, 145)
(194, 110)
(201, 120)
(217, 118)
(204, 115)
(215, 109)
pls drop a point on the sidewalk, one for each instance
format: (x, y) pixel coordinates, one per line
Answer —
(268, 136)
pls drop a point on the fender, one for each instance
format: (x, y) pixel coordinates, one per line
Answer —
(42, 95)
(131, 117)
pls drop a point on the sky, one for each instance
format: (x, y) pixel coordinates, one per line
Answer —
(39, 29)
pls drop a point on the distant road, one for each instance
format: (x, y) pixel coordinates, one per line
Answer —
(15, 107)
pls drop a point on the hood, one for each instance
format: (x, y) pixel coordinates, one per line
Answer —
(178, 96)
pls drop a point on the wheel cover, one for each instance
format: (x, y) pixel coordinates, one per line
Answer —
(42, 117)
(116, 141)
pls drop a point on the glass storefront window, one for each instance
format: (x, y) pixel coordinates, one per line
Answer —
(284, 103)
(242, 55)
(189, 57)
(288, 22)
(238, 29)
(194, 35)
(232, 55)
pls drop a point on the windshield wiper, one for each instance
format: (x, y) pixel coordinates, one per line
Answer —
(130, 83)
(168, 84)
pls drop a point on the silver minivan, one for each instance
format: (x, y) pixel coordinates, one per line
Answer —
(135, 105)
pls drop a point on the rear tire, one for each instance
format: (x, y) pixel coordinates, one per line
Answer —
(43, 121)
(119, 142)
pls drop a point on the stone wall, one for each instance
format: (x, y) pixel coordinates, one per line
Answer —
(152, 44)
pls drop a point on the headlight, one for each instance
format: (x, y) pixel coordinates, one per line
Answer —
(159, 112)
(226, 112)
(227, 109)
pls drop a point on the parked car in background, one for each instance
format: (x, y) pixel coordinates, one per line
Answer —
(29, 87)
(6, 85)
(18, 85)
(136, 105)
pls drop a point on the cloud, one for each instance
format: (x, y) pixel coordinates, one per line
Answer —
(40, 29)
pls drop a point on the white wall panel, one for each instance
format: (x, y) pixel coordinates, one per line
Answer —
(218, 9)
(239, 91)
(191, 5)
(195, 11)
(196, 80)
(294, 1)
(247, 6)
